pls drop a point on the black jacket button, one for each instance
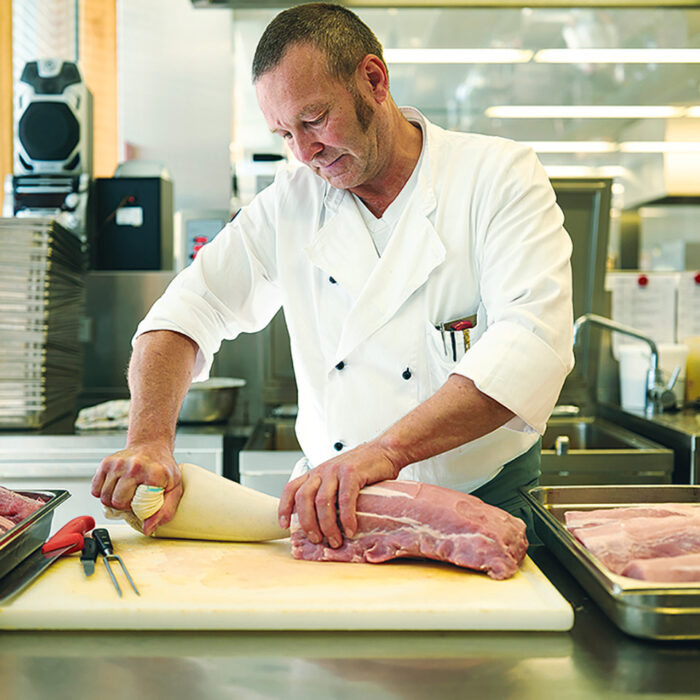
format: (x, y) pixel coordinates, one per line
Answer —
(332, 280)
(338, 446)
(340, 365)
(406, 374)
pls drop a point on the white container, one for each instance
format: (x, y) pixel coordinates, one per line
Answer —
(634, 370)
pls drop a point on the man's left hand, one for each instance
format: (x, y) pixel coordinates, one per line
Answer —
(331, 489)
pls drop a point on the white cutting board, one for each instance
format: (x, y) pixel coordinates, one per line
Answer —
(215, 585)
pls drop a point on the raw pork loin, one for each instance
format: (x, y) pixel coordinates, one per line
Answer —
(14, 507)
(617, 543)
(410, 519)
(681, 569)
(642, 541)
(582, 518)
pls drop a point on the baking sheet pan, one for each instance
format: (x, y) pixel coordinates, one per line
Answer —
(640, 608)
(29, 534)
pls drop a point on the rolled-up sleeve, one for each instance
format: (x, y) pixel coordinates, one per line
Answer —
(229, 289)
(523, 255)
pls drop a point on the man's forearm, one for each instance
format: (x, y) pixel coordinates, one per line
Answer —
(160, 373)
(457, 413)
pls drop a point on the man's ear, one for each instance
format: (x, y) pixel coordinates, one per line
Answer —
(373, 74)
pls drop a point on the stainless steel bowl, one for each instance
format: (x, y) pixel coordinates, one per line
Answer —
(211, 401)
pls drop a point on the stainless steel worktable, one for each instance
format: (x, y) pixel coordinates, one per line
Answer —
(594, 660)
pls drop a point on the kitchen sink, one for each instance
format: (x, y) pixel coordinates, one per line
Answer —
(595, 451)
(579, 450)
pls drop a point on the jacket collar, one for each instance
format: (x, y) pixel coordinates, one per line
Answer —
(344, 250)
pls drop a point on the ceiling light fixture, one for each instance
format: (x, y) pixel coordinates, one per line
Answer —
(585, 170)
(617, 56)
(584, 111)
(572, 146)
(660, 147)
(456, 56)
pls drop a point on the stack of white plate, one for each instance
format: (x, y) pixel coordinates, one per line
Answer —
(41, 304)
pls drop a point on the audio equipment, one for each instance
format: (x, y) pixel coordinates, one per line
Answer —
(53, 120)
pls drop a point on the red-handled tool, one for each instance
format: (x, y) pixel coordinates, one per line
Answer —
(70, 535)
(68, 539)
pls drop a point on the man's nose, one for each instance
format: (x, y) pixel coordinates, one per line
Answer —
(307, 147)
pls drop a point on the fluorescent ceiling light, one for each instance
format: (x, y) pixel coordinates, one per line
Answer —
(570, 170)
(584, 171)
(618, 56)
(572, 146)
(611, 171)
(584, 111)
(693, 111)
(660, 146)
(456, 56)
(611, 147)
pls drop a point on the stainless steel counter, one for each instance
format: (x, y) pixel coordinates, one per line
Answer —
(594, 660)
(57, 456)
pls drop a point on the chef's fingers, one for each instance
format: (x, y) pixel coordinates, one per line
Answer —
(111, 472)
(286, 504)
(171, 500)
(108, 466)
(97, 482)
(348, 491)
(107, 489)
(132, 472)
(305, 507)
(327, 511)
(124, 490)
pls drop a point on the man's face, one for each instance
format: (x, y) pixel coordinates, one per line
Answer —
(329, 125)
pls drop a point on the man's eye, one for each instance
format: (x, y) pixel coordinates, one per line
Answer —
(315, 122)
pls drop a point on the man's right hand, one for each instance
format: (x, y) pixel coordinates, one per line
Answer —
(119, 474)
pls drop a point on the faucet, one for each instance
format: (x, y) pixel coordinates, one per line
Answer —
(657, 396)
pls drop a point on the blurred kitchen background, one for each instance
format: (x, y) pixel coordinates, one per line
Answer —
(609, 97)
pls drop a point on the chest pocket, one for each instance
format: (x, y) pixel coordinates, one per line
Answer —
(444, 348)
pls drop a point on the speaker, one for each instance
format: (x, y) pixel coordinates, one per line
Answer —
(53, 120)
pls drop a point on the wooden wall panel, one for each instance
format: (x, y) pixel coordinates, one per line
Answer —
(97, 22)
(5, 90)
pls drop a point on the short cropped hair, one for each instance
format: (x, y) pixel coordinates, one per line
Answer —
(338, 33)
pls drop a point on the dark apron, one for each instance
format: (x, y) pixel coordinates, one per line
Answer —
(503, 490)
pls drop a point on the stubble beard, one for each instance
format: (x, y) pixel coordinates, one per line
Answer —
(365, 117)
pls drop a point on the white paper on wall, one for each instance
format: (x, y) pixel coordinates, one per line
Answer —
(688, 305)
(646, 302)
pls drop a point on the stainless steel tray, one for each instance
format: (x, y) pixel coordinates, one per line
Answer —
(640, 608)
(27, 536)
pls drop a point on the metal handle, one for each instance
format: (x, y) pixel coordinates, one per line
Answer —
(561, 445)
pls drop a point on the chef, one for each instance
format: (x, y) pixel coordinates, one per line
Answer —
(425, 281)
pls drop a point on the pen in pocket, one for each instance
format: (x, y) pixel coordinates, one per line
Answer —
(461, 326)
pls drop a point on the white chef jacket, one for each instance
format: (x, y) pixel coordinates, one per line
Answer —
(481, 234)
